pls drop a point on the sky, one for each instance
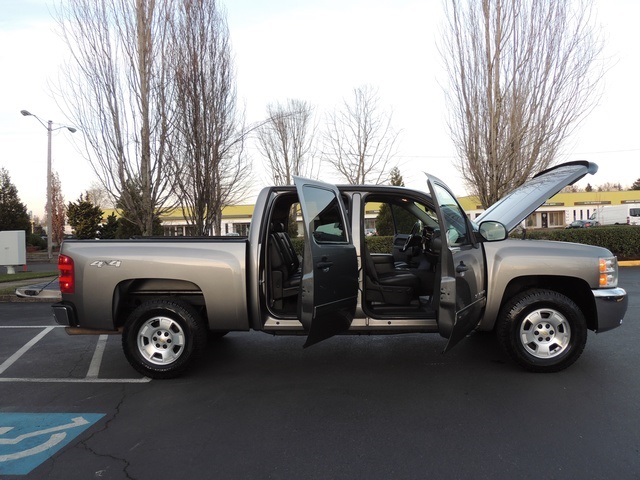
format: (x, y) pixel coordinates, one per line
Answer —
(317, 51)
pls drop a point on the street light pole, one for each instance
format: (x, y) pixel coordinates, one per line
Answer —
(49, 209)
(49, 194)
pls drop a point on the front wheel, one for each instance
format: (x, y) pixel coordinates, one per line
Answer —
(542, 330)
(162, 337)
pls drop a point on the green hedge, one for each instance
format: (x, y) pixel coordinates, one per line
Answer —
(622, 240)
(376, 244)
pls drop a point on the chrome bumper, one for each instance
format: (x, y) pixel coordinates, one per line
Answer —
(64, 314)
(611, 305)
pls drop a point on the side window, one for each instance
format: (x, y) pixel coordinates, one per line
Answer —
(455, 225)
(404, 220)
(328, 226)
(387, 219)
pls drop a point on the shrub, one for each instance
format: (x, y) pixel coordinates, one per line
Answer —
(34, 240)
(376, 244)
(623, 240)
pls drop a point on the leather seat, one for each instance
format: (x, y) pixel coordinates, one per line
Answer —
(284, 266)
(396, 287)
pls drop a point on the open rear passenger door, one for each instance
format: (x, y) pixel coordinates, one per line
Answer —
(329, 286)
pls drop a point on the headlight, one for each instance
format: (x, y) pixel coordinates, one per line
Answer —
(608, 272)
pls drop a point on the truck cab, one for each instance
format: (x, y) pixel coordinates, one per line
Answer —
(430, 280)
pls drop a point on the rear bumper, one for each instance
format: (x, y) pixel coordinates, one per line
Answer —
(611, 305)
(65, 314)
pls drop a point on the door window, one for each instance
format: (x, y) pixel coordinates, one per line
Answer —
(328, 226)
(454, 219)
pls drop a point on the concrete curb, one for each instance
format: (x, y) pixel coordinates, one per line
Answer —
(629, 263)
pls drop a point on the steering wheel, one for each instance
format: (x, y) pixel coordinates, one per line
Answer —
(417, 228)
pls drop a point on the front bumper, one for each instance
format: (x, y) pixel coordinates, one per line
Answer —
(611, 305)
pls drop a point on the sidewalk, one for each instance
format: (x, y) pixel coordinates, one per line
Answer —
(45, 290)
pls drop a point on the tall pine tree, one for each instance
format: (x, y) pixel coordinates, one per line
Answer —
(384, 220)
(84, 218)
(13, 213)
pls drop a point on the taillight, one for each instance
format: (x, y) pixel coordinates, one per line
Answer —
(66, 278)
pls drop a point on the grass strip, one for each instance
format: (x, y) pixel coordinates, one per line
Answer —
(18, 276)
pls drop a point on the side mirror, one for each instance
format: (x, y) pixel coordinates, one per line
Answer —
(493, 231)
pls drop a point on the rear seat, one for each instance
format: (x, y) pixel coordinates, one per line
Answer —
(285, 265)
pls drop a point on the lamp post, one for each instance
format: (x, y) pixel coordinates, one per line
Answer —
(49, 127)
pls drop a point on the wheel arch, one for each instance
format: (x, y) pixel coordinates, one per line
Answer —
(131, 293)
(573, 288)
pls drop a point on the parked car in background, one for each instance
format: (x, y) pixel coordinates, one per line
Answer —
(582, 224)
(627, 214)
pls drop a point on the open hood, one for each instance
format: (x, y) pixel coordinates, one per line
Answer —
(524, 200)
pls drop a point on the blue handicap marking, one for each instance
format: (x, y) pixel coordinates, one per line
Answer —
(29, 439)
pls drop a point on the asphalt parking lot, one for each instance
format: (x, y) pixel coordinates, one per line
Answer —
(351, 407)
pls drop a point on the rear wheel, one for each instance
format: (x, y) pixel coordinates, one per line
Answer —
(542, 330)
(161, 338)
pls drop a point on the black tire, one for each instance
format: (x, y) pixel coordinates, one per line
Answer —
(542, 330)
(161, 338)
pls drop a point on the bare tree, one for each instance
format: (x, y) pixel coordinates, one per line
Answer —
(285, 141)
(360, 142)
(117, 91)
(522, 75)
(97, 194)
(207, 145)
(58, 210)
(610, 187)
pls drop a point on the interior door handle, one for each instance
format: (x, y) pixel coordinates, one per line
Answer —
(324, 264)
(461, 268)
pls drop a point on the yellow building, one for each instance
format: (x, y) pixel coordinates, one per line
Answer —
(235, 221)
(563, 208)
(557, 212)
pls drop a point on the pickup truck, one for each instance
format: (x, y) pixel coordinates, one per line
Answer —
(444, 274)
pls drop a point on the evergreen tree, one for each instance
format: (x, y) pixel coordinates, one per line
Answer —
(109, 229)
(588, 188)
(126, 227)
(84, 218)
(636, 185)
(395, 178)
(13, 213)
(384, 220)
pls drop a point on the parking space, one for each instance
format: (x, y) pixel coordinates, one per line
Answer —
(33, 348)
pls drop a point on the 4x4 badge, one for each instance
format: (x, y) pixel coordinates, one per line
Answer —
(108, 263)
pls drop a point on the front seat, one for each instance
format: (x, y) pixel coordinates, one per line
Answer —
(396, 287)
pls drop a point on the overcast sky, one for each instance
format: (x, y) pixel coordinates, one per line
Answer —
(317, 51)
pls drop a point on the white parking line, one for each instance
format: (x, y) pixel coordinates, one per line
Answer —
(96, 361)
(94, 367)
(31, 326)
(13, 358)
(75, 380)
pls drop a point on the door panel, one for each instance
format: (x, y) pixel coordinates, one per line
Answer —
(329, 286)
(461, 269)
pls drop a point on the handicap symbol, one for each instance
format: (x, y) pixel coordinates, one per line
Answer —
(27, 440)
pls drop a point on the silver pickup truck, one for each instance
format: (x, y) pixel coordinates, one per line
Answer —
(444, 274)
